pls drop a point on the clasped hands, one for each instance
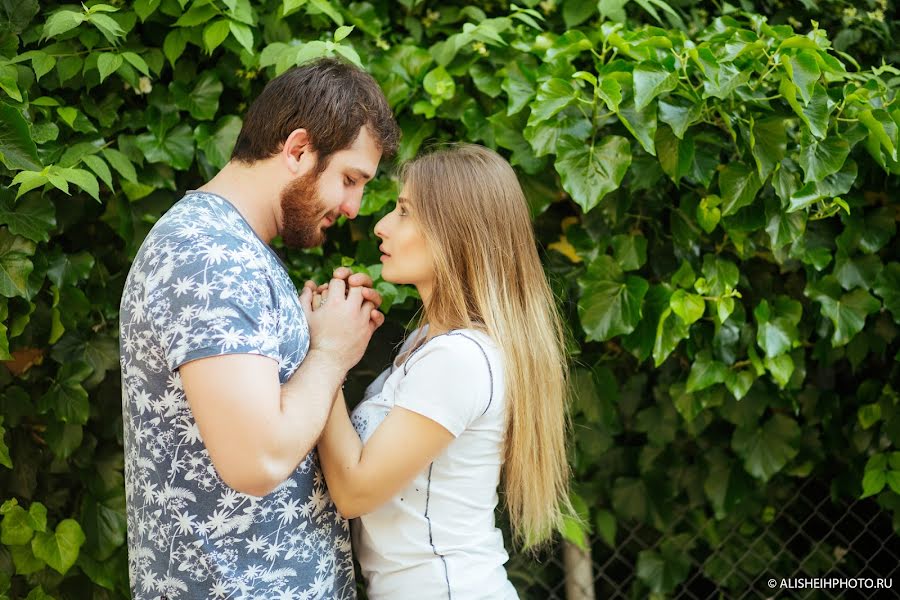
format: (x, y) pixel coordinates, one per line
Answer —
(342, 281)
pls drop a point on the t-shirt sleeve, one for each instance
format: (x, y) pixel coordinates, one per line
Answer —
(205, 301)
(448, 380)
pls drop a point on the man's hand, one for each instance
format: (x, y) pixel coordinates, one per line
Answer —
(341, 324)
(352, 280)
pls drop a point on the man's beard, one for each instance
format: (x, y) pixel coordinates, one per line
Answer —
(302, 211)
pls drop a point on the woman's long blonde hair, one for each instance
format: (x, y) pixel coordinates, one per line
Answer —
(488, 276)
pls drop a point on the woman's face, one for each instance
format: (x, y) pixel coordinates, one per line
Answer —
(404, 254)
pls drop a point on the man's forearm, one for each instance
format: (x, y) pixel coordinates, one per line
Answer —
(306, 401)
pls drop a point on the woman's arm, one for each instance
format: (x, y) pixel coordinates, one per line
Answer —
(362, 478)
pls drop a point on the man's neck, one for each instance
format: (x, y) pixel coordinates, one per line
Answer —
(254, 192)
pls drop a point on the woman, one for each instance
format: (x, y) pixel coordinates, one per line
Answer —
(479, 389)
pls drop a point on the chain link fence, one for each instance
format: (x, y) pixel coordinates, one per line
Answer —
(809, 535)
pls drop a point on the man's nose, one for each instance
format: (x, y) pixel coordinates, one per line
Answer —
(350, 208)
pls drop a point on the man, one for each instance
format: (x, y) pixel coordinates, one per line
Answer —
(224, 393)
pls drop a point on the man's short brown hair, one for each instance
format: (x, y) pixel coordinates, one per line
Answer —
(328, 98)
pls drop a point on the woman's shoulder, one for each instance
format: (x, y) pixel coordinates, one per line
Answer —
(465, 349)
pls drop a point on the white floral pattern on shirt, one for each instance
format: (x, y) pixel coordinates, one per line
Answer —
(203, 284)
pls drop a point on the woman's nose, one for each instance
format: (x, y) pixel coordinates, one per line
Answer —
(379, 228)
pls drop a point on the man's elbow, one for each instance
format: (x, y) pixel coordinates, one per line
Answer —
(254, 480)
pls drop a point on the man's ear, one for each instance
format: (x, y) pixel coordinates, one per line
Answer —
(297, 152)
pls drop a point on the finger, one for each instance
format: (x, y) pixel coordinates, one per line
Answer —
(367, 308)
(360, 279)
(355, 295)
(306, 300)
(336, 289)
(377, 318)
(310, 284)
(372, 296)
(341, 273)
(322, 288)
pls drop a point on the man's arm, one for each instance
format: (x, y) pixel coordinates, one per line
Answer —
(257, 431)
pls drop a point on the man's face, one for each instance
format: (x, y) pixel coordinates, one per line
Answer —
(313, 201)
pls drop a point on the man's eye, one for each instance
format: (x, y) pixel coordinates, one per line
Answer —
(349, 181)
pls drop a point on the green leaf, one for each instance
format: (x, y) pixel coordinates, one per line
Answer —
(822, 158)
(342, 32)
(439, 84)
(33, 218)
(641, 124)
(61, 22)
(609, 90)
(17, 149)
(120, 163)
(630, 251)
(857, 271)
(5, 458)
(589, 176)
(16, 528)
(738, 186)
(881, 128)
(676, 157)
(846, 312)
(873, 482)
(768, 141)
(803, 69)
(15, 264)
(662, 571)
(175, 43)
(767, 449)
(677, 116)
(708, 213)
(651, 80)
(42, 63)
(868, 415)
(544, 137)
(16, 15)
(145, 8)
(107, 63)
(137, 62)
(605, 522)
(776, 329)
(519, 85)
(108, 26)
(670, 330)
(59, 549)
(690, 307)
(99, 166)
(781, 367)
(610, 303)
(243, 34)
(816, 113)
(739, 382)
(215, 33)
(24, 560)
(327, 8)
(198, 14)
(552, 96)
(705, 372)
(66, 396)
(719, 276)
(218, 144)
(83, 179)
(887, 286)
(175, 148)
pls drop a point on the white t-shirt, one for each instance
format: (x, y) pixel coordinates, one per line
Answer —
(437, 538)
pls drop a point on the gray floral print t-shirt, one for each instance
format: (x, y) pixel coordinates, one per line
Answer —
(203, 284)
